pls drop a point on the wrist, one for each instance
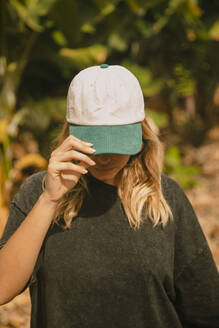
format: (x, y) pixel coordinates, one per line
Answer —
(48, 200)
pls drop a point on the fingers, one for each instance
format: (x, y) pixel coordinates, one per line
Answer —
(59, 166)
(74, 142)
(73, 155)
(67, 175)
(65, 158)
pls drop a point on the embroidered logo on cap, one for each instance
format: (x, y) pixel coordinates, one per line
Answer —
(104, 66)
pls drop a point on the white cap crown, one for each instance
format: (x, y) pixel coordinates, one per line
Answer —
(105, 95)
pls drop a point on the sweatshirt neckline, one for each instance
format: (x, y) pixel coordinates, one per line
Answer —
(100, 183)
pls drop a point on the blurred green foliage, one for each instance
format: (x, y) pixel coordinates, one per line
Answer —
(173, 166)
(160, 119)
(171, 46)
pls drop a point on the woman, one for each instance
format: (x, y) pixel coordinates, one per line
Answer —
(119, 246)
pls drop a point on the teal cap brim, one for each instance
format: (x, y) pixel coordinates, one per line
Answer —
(116, 139)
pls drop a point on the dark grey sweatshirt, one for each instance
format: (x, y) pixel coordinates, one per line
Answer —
(103, 274)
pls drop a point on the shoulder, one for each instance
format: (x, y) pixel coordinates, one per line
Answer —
(33, 184)
(168, 184)
(172, 191)
(179, 202)
(29, 191)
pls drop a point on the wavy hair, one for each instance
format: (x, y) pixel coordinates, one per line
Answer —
(138, 184)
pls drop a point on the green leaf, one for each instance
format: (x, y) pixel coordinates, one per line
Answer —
(108, 9)
(160, 119)
(194, 8)
(117, 43)
(149, 85)
(162, 22)
(59, 38)
(31, 11)
(83, 57)
(174, 168)
(88, 28)
(173, 6)
(214, 31)
(173, 158)
(140, 6)
(26, 16)
(185, 84)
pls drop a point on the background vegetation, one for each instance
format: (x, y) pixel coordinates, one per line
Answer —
(171, 46)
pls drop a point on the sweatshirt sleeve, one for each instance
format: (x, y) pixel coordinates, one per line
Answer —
(20, 206)
(196, 275)
(197, 290)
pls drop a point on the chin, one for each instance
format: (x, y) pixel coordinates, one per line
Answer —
(100, 173)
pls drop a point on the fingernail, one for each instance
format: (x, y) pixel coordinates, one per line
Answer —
(89, 144)
(93, 150)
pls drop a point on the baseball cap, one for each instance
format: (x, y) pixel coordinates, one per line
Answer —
(105, 106)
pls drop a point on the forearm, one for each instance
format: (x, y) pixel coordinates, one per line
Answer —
(19, 254)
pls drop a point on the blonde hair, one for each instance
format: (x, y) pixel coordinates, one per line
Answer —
(138, 184)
